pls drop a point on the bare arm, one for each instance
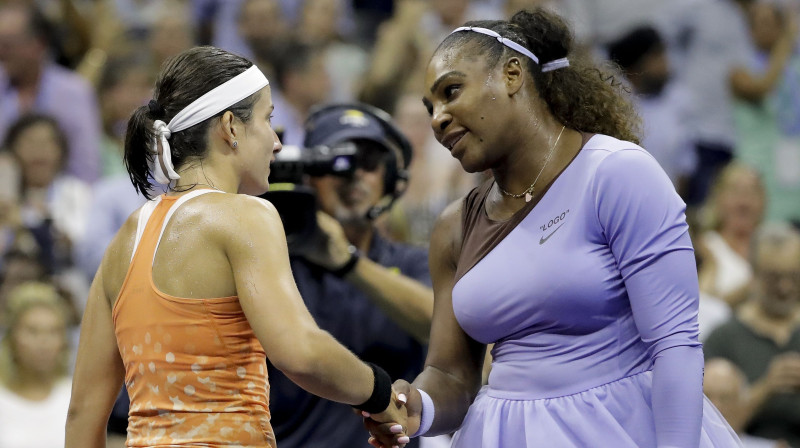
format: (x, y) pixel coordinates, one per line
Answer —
(398, 49)
(454, 367)
(77, 40)
(452, 373)
(487, 365)
(106, 29)
(783, 376)
(406, 301)
(752, 87)
(99, 372)
(312, 358)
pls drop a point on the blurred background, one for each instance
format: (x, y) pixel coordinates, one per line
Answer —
(716, 83)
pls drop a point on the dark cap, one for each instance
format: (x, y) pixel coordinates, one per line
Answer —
(635, 45)
(333, 125)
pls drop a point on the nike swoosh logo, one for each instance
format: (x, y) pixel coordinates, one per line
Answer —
(544, 239)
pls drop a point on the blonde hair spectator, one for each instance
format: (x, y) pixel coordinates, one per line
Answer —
(34, 353)
(732, 217)
(740, 182)
(22, 299)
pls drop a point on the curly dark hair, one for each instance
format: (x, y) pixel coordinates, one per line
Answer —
(583, 96)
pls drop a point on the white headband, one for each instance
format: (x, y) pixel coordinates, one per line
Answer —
(211, 103)
(547, 67)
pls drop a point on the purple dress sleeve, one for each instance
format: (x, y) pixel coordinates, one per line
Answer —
(643, 220)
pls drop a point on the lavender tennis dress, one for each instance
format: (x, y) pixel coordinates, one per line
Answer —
(591, 300)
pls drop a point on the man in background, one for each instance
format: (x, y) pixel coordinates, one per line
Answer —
(763, 339)
(30, 82)
(379, 303)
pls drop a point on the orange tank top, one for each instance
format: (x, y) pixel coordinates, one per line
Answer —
(194, 370)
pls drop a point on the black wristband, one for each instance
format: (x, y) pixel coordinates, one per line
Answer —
(345, 269)
(381, 392)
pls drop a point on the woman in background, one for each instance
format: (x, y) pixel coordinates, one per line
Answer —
(734, 213)
(34, 356)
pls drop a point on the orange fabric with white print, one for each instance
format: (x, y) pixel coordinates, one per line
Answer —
(194, 370)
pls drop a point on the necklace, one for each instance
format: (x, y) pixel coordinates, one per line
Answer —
(528, 193)
(187, 187)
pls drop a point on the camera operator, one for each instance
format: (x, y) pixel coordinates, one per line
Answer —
(371, 294)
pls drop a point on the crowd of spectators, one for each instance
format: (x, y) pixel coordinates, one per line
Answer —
(716, 83)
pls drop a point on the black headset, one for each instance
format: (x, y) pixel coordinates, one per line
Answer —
(395, 180)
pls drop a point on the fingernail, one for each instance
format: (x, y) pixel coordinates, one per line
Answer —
(402, 398)
(403, 439)
(396, 429)
(365, 414)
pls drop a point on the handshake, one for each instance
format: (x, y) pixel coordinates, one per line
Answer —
(401, 419)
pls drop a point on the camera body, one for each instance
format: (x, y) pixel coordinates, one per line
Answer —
(296, 202)
(329, 148)
(292, 163)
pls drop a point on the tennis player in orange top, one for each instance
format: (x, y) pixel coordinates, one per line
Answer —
(195, 290)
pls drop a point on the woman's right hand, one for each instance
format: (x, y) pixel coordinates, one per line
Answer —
(384, 429)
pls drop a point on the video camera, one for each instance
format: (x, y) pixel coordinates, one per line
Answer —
(329, 148)
(294, 162)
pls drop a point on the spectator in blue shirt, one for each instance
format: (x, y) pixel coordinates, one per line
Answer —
(30, 82)
(662, 102)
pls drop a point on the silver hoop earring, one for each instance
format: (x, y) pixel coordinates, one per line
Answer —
(235, 144)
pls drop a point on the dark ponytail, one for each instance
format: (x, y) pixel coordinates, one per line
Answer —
(183, 79)
(138, 138)
(583, 96)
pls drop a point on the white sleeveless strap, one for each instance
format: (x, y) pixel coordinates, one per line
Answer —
(144, 216)
(172, 210)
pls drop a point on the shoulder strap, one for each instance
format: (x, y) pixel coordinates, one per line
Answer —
(144, 215)
(172, 210)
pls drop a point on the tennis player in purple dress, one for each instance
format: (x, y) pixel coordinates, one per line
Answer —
(574, 260)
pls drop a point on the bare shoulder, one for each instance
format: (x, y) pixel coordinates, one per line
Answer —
(243, 213)
(121, 246)
(255, 204)
(251, 228)
(452, 214)
(447, 235)
(233, 221)
(221, 214)
(117, 258)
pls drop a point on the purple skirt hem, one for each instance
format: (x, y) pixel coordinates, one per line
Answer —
(614, 415)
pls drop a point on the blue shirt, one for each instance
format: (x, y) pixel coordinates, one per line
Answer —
(301, 419)
(113, 202)
(666, 130)
(69, 99)
(713, 39)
